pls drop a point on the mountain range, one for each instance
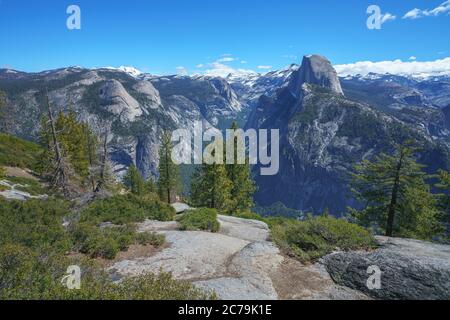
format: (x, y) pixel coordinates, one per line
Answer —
(327, 123)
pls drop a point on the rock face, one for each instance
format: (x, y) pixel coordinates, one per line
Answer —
(410, 269)
(119, 102)
(323, 134)
(237, 263)
(137, 108)
(416, 101)
(229, 263)
(316, 69)
(446, 111)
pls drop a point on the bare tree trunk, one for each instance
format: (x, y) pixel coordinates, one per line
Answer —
(91, 158)
(169, 200)
(104, 159)
(394, 198)
(60, 178)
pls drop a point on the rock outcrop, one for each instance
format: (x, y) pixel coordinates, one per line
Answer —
(238, 262)
(410, 269)
(323, 134)
(316, 69)
(119, 102)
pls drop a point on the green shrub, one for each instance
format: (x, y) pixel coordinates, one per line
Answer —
(146, 238)
(313, 238)
(4, 188)
(28, 275)
(15, 152)
(2, 172)
(33, 258)
(200, 219)
(31, 186)
(123, 209)
(36, 224)
(161, 287)
(105, 243)
(108, 242)
(248, 215)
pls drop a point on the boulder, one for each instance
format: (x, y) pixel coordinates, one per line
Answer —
(250, 230)
(410, 269)
(181, 207)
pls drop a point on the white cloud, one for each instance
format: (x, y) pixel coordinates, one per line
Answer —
(440, 66)
(182, 71)
(412, 58)
(264, 67)
(244, 62)
(419, 13)
(387, 17)
(199, 66)
(413, 14)
(217, 69)
(226, 59)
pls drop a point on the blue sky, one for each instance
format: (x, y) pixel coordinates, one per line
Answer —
(160, 36)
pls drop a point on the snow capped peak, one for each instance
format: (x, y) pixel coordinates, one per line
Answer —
(127, 69)
(410, 69)
(242, 77)
(10, 71)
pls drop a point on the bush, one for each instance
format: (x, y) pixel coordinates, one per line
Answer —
(36, 224)
(161, 287)
(2, 172)
(313, 238)
(33, 187)
(28, 275)
(33, 260)
(105, 243)
(108, 242)
(200, 219)
(248, 215)
(123, 209)
(15, 152)
(146, 238)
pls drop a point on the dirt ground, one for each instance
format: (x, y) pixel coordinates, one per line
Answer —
(296, 281)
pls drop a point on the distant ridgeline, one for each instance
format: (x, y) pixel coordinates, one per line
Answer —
(327, 124)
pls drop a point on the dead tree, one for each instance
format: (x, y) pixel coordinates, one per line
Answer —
(60, 176)
(103, 161)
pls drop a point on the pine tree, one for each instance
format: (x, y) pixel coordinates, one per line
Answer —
(150, 186)
(134, 182)
(101, 169)
(169, 183)
(444, 185)
(243, 187)
(92, 148)
(211, 187)
(54, 164)
(72, 154)
(74, 138)
(396, 196)
(419, 216)
(444, 198)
